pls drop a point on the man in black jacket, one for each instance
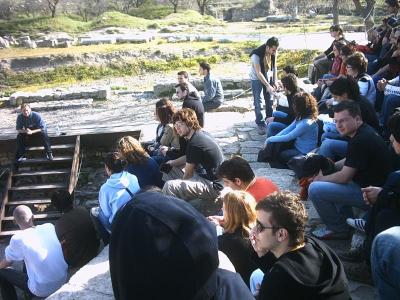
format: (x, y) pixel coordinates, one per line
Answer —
(295, 266)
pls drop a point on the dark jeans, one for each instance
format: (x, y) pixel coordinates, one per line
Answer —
(210, 105)
(9, 279)
(22, 138)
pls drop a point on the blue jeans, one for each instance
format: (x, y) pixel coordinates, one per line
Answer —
(9, 279)
(389, 105)
(334, 202)
(257, 87)
(333, 149)
(287, 154)
(385, 263)
(274, 128)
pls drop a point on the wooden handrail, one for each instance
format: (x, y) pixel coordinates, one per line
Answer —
(75, 165)
(5, 197)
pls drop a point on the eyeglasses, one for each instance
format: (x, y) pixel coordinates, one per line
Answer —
(259, 227)
(179, 124)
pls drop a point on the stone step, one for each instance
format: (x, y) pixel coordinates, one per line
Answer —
(29, 202)
(38, 187)
(57, 159)
(37, 217)
(53, 147)
(42, 172)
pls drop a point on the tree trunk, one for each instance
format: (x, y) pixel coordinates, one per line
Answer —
(369, 14)
(335, 11)
(175, 8)
(53, 12)
(359, 8)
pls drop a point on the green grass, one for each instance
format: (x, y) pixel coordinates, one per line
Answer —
(152, 12)
(117, 19)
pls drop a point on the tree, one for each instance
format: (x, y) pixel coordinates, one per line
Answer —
(367, 12)
(175, 4)
(335, 11)
(52, 5)
(128, 4)
(203, 5)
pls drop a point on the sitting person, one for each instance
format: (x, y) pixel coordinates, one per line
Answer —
(30, 123)
(303, 131)
(114, 193)
(367, 162)
(238, 219)
(165, 135)
(385, 261)
(203, 157)
(391, 100)
(283, 116)
(74, 230)
(237, 174)
(162, 248)
(344, 88)
(139, 162)
(183, 77)
(191, 100)
(295, 266)
(39, 248)
(213, 92)
(356, 67)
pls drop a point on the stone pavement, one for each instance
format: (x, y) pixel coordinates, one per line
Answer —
(236, 133)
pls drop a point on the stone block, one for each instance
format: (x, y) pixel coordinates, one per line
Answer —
(65, 44)
(4, 43)
(50, 43)
(133, 38)
(103, 94)
(97, 40)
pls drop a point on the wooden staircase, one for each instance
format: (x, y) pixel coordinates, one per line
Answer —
(32, 181)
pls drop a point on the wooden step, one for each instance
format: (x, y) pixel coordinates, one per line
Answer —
(53, 147)
(37, 217)
(38, 187)
(43, 160)
(43, 172)
(29, 201)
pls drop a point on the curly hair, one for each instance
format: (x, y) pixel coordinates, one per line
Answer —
(165, 109)
(305, 106)
(187, 116)
(130, 150)
(239, 212)
(358, 62)
(290, 83)
(288, 212)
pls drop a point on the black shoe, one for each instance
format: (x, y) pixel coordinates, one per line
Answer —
(49, 156)
(353, 255)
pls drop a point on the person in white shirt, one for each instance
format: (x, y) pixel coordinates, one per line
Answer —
(40, 250)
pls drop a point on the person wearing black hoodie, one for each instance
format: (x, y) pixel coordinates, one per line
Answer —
(295, 266)
(162, 248)
(191, 99)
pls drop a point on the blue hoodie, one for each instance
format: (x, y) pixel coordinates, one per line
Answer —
(113, 193)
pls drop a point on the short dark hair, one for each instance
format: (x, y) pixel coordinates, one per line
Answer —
(183, 86)
(62, 200)
(184, 74)
(351, 106)
(236, 167)
(394, 126)
(205, 66)
(290, 83)
(272, 42)
(357, 61)
(114, 163)
(347, 50)
(345, 84)
(288, 212)
(290, 69)
(336, 28)
(187, 116)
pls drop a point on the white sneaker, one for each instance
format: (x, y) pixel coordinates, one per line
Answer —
(94, 211)
(358, 224)
(22, 158)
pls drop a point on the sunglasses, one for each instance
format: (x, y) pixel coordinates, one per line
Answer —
(259, 227)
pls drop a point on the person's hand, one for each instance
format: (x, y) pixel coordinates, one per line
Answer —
(216, 220)
(150, 148)
(255, 243)
(28, 131)
(163, 150)
(269, 120)
(329, 102)
(370, 194)
(381, 84)
(318, 177)
(271, 90)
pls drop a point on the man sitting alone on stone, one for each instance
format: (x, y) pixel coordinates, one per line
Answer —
(237, 174)
(213, 92)
(30, 123)
(202, 158)
(367, 163)
(40, 250)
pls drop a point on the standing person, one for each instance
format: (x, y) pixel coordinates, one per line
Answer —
(322, 62)
(75, 231)
(30, 123)
(238, 219)
(201, 161)
(39, 248)
(191, 99)
(213, 92)
(295, 266)
(140, 164)
(263, 76)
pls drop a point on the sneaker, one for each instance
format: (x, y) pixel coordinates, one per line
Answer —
(353, 255)
(49, 156)
(358, 224)
(94, 211)
(326, 234)
(261, 130)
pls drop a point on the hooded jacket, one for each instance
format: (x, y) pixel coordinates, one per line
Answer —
(162, 248)
(113, 193)
(311, 272)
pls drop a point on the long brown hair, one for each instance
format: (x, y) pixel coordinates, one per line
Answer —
(305, 106)
(239, 207)
(131, 150)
